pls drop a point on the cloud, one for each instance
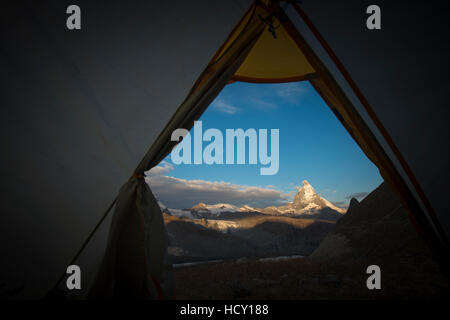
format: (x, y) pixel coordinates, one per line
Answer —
(328, 191)
(163, 168)
(341, 204)
(291, 194)
(357, 195)
(262, 104)
(224, 107)
(290, 89)
(182, 193)
(291, 92)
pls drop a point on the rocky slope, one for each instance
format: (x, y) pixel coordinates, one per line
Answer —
(378, 226)
(252, 236)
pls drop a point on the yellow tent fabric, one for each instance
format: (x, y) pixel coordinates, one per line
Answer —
(275, 57)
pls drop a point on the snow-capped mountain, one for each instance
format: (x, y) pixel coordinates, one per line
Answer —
(306, 203)
(248, 209)
(215, 209)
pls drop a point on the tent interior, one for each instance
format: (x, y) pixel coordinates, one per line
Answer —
(100, 106)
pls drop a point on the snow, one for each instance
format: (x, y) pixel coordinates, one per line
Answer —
(248, 209)
(308, 190)
(224, 225)
(332, 206)
(310, 208)
(222, 207)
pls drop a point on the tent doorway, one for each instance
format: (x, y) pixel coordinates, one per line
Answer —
(271, 232)
(315, 155)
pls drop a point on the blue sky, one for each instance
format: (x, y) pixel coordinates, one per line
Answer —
(313, 146)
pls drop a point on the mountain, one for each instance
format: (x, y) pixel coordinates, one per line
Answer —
(257, 236)
(225, 231)
(307, 204)
(215, 209)
(248, 209)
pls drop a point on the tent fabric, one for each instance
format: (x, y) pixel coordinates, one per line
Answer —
(124, 270)
(275, 56)
(79, 111)
(216, 75)
(135, 263)
(400, 175)
(379, 158)
(274, 59)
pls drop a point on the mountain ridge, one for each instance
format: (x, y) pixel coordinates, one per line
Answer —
(306, 203)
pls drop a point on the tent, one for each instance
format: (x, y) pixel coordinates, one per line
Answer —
(85, 112)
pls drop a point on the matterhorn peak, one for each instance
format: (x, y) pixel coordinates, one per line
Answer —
(307, 188)
(306, 194)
